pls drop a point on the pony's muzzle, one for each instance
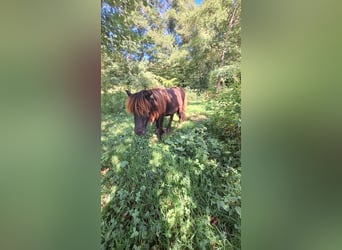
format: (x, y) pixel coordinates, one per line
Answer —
(139, 131)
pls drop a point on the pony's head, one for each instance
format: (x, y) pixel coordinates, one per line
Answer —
(140, 105)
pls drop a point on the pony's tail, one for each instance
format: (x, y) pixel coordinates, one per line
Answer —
(182, 109)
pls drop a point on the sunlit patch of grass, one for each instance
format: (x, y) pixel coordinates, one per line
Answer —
(156, 159)
(195, 107)
(196, 111)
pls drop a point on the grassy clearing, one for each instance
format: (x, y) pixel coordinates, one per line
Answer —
(180, 193)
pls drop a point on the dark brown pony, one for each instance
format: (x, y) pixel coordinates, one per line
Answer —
(152, 105)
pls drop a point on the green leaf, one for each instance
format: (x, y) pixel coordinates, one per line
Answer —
(180, 149)
(238, 210)
(123, 164)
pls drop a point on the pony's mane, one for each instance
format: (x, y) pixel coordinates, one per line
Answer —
(139, 104)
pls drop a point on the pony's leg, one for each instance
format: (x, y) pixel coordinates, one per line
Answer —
(160, 126)
(156, 122)
(168, 128)
(179, 119)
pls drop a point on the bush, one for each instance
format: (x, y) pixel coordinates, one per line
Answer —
(225, 120)
(112, 103)
(230, 74)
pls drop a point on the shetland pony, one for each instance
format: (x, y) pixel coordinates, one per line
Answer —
(153, 105)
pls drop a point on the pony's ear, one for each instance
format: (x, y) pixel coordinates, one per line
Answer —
(128, 92)
(148, 93)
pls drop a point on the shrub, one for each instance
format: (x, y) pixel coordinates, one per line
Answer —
(225, 120)
(112, 103)
(230, 74)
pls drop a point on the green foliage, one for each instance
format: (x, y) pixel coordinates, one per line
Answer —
(116, 32)
(113, 102)
(228, 74)
(225, 120)
(169, 42)
(179, 193)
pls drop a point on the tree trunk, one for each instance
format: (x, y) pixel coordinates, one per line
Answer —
(231, 21)
(218, 83)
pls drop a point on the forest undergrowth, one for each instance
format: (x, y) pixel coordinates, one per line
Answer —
(183, 192)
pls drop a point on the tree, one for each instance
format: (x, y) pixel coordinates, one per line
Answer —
(170, 40)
